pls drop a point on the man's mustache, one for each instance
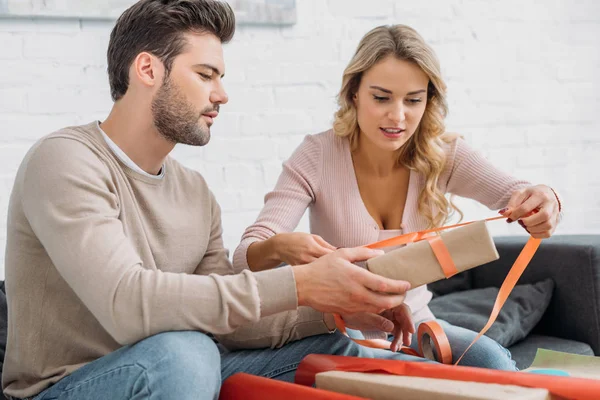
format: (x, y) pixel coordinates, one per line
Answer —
(216, 108)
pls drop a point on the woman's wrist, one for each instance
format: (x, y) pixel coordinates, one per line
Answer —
(273, 247)
(560, 203)
(557, 197)
(263, 254)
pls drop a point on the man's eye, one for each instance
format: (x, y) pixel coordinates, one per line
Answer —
(204, 76)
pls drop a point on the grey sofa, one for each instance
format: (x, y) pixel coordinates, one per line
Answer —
(571, 322)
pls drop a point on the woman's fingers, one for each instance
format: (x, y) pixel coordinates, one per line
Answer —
(320, 241)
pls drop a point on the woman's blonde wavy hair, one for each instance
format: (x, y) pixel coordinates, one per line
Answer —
(424, 150)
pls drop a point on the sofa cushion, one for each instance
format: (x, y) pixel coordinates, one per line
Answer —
(471, 309)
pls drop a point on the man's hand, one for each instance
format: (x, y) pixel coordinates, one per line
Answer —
(333, 284)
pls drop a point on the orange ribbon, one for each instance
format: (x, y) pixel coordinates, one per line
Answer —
(416, 236)
(432, 328)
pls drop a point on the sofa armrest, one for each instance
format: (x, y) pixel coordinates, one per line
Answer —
(573, 263)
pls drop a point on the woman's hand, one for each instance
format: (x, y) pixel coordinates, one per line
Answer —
(536, 208)
(368, 322)
(296, 248)
(404, 327)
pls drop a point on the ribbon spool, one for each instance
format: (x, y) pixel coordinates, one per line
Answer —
(432, 337)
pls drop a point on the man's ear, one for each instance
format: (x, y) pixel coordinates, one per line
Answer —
(147, 69)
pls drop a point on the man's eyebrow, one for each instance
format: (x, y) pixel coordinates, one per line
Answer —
(215, 69)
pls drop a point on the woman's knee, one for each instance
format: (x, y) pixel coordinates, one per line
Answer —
(490, 354)
(485, 353)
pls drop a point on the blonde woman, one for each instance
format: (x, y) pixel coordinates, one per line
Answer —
(385, 169)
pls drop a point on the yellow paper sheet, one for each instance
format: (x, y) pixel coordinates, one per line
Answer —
(574, 364)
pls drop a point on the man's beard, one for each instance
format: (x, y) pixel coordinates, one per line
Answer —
(176, 120)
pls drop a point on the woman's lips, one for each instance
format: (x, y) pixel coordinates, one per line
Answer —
(392, 133)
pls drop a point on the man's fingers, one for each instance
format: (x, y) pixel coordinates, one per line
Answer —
(380, 284)
(356, 254)
(365, 300)
(382, 302)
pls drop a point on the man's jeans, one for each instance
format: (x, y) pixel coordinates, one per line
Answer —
(189, 365)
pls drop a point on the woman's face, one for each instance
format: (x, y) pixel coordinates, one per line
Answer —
(390, 102)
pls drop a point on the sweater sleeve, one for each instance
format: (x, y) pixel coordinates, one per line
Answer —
(216, 257)
(472, 176)
(71, 206)
(295, 190)
(280, 329)
(272, 331)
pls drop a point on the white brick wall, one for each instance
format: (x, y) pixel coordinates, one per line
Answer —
(523, 83)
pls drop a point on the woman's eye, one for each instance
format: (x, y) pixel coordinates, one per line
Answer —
(379, 98)
(414, 101)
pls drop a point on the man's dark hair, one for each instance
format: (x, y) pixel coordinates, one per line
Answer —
(158, 27)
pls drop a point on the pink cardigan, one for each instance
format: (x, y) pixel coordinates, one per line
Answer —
(320, 176)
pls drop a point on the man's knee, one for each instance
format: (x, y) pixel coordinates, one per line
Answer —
(185, 359)
(187, 348)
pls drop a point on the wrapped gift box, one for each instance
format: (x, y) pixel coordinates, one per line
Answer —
(469, 246)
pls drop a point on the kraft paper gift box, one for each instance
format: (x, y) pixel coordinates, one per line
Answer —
(469, 246)
(392, 387)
